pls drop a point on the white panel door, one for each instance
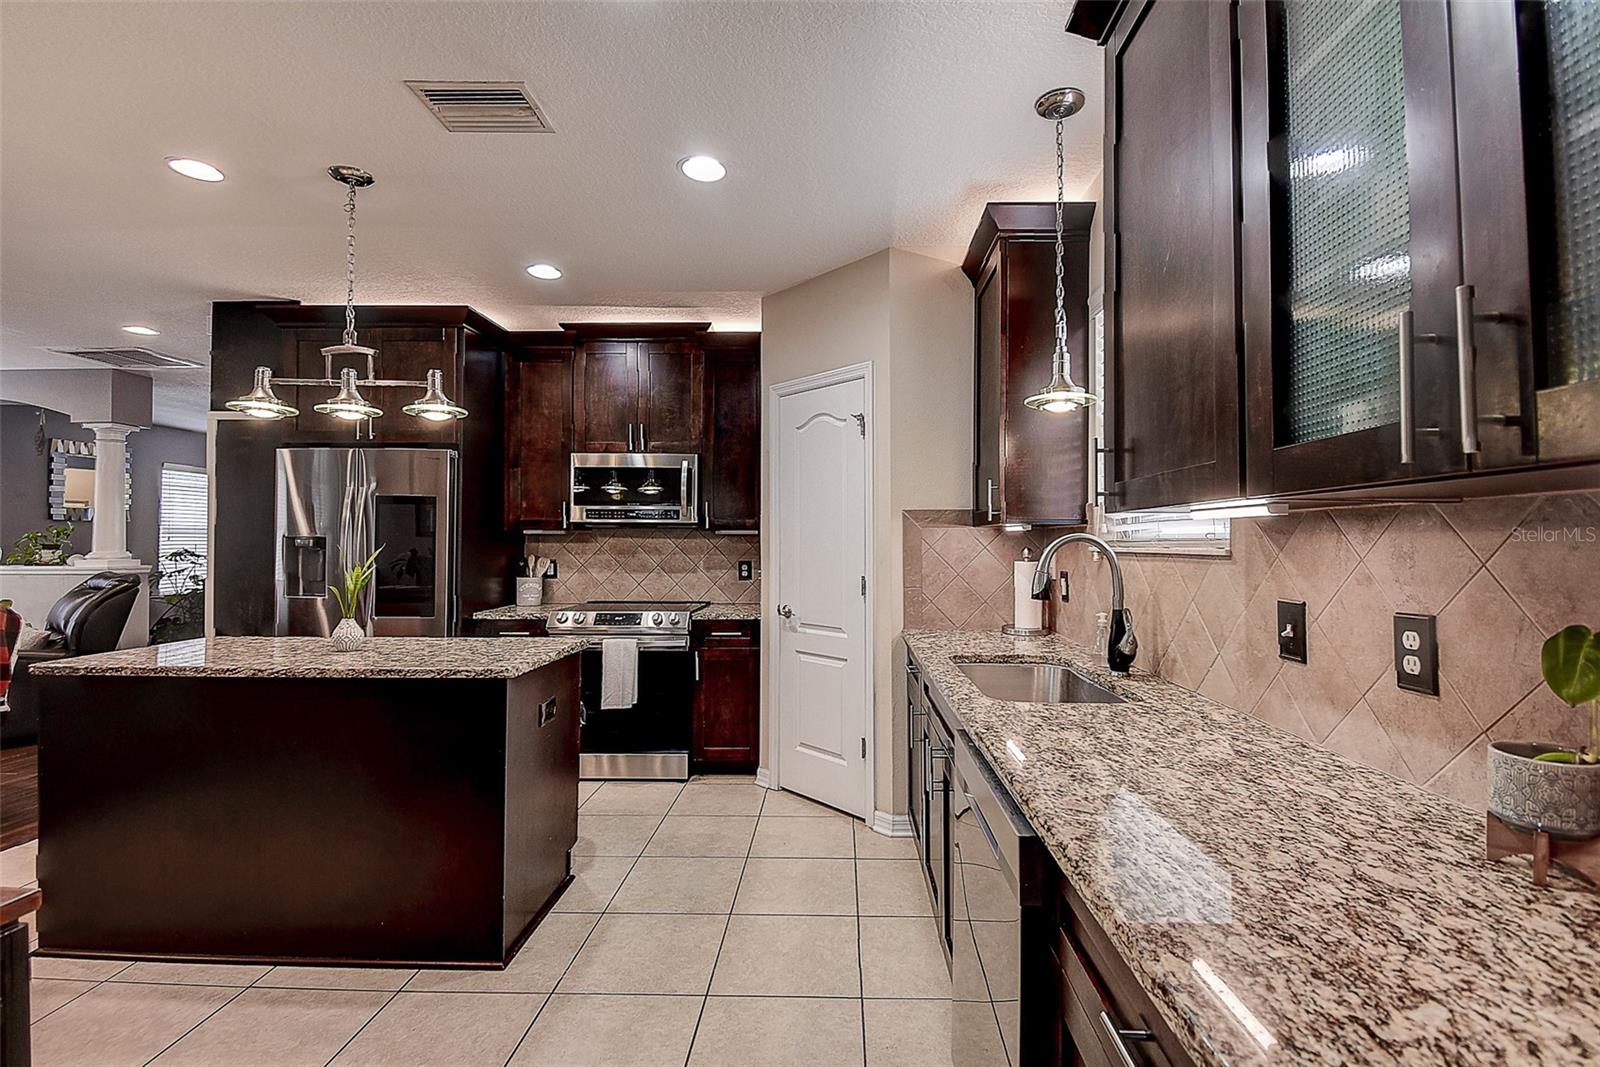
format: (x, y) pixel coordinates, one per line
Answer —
(822, 639)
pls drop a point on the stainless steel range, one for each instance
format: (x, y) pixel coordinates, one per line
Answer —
(651, 738)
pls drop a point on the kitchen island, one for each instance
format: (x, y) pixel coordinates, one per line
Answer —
(271, 799)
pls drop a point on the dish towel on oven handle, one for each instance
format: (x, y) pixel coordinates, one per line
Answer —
(619, 673)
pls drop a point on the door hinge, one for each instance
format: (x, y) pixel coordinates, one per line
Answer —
(861, 422)
(863, 585)
(863, 748)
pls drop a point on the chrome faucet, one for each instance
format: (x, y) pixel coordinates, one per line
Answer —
(1122, 646)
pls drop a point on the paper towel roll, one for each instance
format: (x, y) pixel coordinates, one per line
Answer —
(1026, 612)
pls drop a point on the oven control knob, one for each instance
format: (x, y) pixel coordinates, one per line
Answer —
(561, 618)
(655, 618)
(675, 619)
(580, 617)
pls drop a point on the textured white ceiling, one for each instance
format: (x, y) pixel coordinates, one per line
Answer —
(846, 128)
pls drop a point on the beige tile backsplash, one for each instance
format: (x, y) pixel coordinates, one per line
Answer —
(649, 565)
(1500, 574)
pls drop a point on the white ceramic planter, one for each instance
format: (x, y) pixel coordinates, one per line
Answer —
(348, 635)
(1562, 799)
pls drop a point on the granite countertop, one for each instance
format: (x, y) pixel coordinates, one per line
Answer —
(1352, 914)
(315, 657)
(711, 612)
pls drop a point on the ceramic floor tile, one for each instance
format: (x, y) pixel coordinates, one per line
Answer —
(162, 973)
(435, 1029)
(632, 798)
(719, 798)
(787, 836)
(538, 966)
(595, 880)
(780, 802)
(276, 1028)
(778, 1032)
(373, 978)
(614, 835)
(45, 995)
(797, 887)
(76, 969)
(112, 1024)
(901, 958)
(872, 845)
(788, 955)
(892, 887)
(703, 835)
(908, 1033)
(647, 954)
(679, 884)
(610, 1031)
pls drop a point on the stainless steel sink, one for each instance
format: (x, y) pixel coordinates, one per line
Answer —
(1041, 683)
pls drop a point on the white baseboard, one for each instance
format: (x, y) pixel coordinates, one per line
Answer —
(763, 778)
(891, 825)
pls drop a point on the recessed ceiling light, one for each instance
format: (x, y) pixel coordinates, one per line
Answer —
(545, 271)
(142, 331)
(194, 168)
(702, 169)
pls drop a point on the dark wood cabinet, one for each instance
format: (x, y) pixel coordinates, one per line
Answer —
(731, 465)
(1029, 466)
(1171, 327)
(606, 401)
(727, 701)
(1373, 281)
(539, 432)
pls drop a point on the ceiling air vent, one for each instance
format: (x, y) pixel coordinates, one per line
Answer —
(129, 358)
(482, 107)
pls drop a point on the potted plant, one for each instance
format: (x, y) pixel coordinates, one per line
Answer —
(42, 548)
(1535, 785)
(348, 635)
(183, 613)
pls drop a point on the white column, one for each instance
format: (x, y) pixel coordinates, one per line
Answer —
(110, 542)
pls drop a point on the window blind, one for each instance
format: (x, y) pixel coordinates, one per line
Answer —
(183, 518)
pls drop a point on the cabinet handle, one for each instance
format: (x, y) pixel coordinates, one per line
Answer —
(1408, 374)
(563, 514)
(642, 446)
(989, 499)
(726, 633)
(630, 437)
(1120, 1038)
(697, 666)
(1467, 370)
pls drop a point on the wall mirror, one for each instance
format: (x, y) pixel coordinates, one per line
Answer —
(72, 480)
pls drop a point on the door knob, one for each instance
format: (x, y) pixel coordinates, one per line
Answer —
(786, 611)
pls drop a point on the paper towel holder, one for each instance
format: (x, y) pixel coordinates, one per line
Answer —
(1024, 631)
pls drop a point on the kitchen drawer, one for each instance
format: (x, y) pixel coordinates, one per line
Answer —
(715, 632)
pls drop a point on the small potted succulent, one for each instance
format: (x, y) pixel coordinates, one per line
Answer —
(1535, 785)
(348, 635)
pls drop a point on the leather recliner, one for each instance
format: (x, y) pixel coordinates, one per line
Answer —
(88, 618)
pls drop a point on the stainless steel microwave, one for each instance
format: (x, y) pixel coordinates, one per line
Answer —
(635, 488)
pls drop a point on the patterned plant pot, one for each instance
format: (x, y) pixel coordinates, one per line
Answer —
(348, 635)
(1562, 799)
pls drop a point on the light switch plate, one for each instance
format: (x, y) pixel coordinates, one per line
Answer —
(1416, 653)
(1292, 630)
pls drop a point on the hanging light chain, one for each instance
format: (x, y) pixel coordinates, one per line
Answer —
(1060, 357)
(350, 265)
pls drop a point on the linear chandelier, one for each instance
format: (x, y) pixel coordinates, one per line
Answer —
(348, 403)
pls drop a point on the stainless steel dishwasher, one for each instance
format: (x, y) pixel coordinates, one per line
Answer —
(1001, 1001)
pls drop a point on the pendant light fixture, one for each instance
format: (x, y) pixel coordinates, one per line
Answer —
(348, 403)
(1062, 394)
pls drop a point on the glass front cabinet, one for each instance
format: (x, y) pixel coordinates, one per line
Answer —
(1417, 208)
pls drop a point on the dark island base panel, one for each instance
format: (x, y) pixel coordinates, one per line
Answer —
(351, 821)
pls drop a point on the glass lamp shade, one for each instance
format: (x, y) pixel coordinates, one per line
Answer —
(1061, 395)
(434, 405)
(348, 403)
(260, 402)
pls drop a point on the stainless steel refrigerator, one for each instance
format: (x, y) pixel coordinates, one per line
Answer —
(335, 506)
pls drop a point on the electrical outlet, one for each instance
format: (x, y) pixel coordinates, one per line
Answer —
(551, 571)
(1416, 653)
(747, 570)
(1292, 630)
(1065, 589)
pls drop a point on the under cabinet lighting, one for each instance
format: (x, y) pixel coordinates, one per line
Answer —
(1238, 509)
(142, 331)
(199, 170)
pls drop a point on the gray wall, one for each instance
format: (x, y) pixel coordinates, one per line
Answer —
(25, 477)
